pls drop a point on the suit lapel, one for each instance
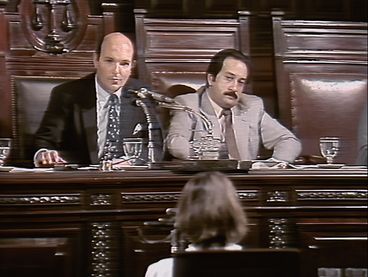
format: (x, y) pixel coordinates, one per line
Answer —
(89, 118)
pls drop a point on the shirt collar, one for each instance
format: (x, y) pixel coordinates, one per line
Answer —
(103, 95)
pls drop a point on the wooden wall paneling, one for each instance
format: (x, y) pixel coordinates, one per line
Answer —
(5, 119)
(347, 240)
(43, 250)
(321, 71)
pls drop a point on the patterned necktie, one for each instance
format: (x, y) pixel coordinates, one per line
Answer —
(229, 135)
(113, 146)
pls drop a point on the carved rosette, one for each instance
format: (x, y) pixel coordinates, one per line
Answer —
(277, 196)
(101, 199)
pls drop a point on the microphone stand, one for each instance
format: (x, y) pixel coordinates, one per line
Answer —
(154, 134)
(179, 107)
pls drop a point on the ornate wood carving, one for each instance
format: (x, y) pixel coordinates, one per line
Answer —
(40, 199)
(278, 232)
(101, 199)
(312, 194)
(147, 197)
(102, 250)
(277, 196)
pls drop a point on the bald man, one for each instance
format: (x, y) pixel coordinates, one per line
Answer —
(73, 129)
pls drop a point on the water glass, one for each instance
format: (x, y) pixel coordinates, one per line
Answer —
(5, 144)
(132, 149)
(329, 147)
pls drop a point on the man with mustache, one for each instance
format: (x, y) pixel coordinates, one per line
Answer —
(74, 126)
(227, 76)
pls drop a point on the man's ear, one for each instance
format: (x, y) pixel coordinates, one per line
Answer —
(210, 79)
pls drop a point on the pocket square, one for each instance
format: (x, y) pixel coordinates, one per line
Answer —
(139, 128)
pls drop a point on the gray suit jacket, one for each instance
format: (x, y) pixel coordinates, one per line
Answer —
(252, 126)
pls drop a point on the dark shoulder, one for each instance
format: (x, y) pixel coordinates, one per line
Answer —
(77, 82)
(80, 91)
(77, 85)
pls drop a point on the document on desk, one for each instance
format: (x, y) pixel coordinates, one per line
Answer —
(39, 169)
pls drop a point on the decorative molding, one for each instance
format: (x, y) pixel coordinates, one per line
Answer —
(361, 195)
(146, 197)
(137, 197)
(40, 199)
(277, 196)
(102, 245)
(249, 195)
(278, 232)
(101, 199)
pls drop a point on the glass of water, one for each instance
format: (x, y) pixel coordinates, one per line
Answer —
(132, 149)
(5, 144)
(329, 147)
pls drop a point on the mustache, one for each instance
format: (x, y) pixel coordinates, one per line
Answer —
(231, 94)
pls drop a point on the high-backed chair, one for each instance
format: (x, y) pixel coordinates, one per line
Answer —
(262, 262)
(32, 94)
(321, 74)
(175, 52)
(34, 59)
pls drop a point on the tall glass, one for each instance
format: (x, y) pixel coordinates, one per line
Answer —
(329, 147)
(132, 149)
(5, 144)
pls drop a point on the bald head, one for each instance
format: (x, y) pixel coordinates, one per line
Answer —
(114, 38)
(113, 61)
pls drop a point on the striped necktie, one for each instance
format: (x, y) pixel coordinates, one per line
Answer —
(229, 135)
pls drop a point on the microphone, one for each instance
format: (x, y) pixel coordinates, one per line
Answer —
(143, 93)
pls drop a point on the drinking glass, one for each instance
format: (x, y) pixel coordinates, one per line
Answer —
(5, 144)
(329, 147)
(132, 149)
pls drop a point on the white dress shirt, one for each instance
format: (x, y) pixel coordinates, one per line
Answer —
(102, 97)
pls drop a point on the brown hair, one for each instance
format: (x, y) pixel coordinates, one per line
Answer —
(209, 210)
(217, 62)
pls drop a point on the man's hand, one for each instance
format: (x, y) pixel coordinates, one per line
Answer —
(48, 158)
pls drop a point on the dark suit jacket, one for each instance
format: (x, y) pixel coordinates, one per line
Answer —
(69, 124)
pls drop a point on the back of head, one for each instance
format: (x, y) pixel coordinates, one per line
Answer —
(209, 210)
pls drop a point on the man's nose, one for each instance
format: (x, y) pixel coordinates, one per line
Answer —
(117, 67)
(233, 85)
